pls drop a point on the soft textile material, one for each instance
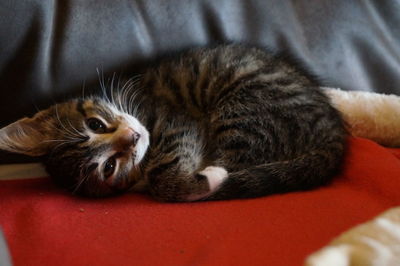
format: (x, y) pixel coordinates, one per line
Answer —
(46, 226)
(374, 243)
(50, 50)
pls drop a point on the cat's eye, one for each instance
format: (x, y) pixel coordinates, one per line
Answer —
(96, 125)
(109, 167)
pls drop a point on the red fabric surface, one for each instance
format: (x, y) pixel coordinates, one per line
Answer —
(46, 226)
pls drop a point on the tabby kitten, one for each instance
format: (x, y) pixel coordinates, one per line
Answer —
(218, 123)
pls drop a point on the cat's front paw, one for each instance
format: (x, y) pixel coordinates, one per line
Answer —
(215, 176)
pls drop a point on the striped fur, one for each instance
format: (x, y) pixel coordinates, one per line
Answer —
(225, 122)
(258, 117)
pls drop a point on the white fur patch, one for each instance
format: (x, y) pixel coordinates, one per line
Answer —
(215, 176)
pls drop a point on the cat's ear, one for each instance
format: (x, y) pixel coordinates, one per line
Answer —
(26, 136)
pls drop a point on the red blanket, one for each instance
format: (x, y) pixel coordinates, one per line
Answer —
(44, 225)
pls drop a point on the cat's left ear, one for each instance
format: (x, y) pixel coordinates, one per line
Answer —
(26, 136)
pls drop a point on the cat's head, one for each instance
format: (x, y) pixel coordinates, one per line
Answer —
(87, 145)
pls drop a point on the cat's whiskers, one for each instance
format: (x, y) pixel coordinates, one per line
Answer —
(125, 90)
(130, 97)
(79, 184)
(112, 92)
(58, 146)
(133, 97)
(102, 85)
(60, 122)
(76, 130)
(68, 131)
(68, 140)
(61, 140)
(128, 86)
(119, 96)
(68, 136)
(122, 94)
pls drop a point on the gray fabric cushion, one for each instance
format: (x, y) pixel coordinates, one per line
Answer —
(49, 49)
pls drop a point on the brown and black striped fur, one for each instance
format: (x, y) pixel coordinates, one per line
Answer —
(230, 108)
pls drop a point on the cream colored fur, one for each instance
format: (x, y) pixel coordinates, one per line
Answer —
(369, 115)
(375, 243)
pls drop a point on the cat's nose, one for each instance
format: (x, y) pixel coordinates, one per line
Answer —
(126, 139)
(135, 138)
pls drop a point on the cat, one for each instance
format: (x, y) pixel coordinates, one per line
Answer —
(217, 123)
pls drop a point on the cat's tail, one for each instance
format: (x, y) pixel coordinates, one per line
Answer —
(310, 170)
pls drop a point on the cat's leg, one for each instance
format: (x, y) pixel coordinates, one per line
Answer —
(215, 176)
(175, 181)
(178, 168)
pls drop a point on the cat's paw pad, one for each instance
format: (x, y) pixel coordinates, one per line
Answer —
(215, 176)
